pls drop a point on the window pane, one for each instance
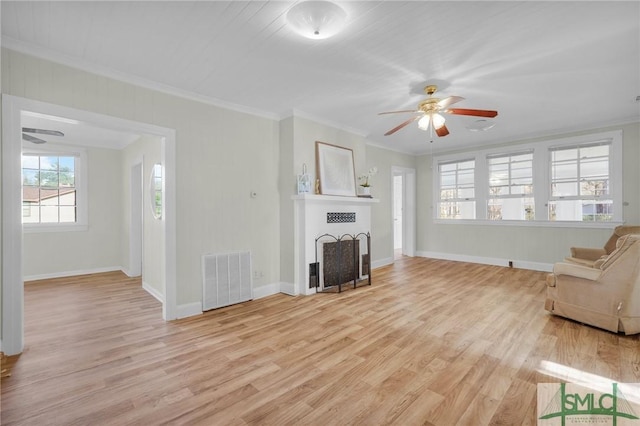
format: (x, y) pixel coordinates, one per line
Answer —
(67, 164)
(67, 214)
(511, 209)
(49, 163)
(49, 197)
(564, 154)
(456, 183)
(48, 192)
(30, 177)
(49, 178)
(30, 213)
(67, 197)
(458, 210)
(510, 175)
(49, 214)
(564, 189)
(594, 151)
(67, 179)
(466, 193)
(30, 162)
(594, 187)
(581, 210)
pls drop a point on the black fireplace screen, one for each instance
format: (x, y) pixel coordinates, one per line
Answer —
(340, 262)
(345, 260)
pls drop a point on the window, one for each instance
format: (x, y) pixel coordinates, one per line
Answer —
(511, 186)
(457, 190)
(565, 181)
(580, 188)
(50, 190)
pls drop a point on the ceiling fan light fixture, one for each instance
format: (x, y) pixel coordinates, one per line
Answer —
(423, 123)
(317, 19)
(438, 120)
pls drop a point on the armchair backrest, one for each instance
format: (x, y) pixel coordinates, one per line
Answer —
(621, 271)
(622, 245)
(618, 232)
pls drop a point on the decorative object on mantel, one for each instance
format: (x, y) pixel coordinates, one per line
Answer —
(336, 171)
(365, 185)
(304, 181)
(318, 186)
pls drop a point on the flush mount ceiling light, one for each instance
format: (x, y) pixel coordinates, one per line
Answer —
(317, 19)
(480, 125)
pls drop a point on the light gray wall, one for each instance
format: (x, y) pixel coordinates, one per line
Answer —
(523, 243)
(382, 189)
(221, 156)
(51, 253)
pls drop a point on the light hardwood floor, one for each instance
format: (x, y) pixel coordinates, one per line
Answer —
(431, 342)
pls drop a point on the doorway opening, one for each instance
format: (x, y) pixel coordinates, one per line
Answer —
(398, 185)
(13, 108)
(403, 211)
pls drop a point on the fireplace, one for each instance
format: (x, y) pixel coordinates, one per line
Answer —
(320, 219)
(341, 262)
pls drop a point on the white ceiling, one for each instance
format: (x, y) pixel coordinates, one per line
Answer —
(547, 67)
(76, 132)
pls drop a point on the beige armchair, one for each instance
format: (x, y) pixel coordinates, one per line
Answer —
(606, 295)
(588, 256)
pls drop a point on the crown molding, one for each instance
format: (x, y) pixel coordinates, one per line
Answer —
(301, 114)
(83, 65)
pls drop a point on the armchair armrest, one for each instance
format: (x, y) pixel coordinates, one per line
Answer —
(575, 270)
(587, 253)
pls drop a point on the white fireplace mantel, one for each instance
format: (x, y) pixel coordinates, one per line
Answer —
(310, 221)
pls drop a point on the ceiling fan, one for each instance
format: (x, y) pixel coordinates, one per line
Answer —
(37, 140)
(429, 113)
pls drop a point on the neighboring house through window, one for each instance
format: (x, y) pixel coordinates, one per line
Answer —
(52, 195)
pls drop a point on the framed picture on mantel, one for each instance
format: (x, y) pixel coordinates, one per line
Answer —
(336, 170)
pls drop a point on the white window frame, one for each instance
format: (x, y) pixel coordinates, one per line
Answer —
(541, 181)
(81, 184)
(510, 178)
(457, 199)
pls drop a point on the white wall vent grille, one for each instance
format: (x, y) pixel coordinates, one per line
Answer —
(226, 279)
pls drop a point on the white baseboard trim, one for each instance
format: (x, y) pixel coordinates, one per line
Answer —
(266, 290)
(189, 310)
(152, 291)
(72, 273)
(521, 264)
(381, 262)
(288, 288)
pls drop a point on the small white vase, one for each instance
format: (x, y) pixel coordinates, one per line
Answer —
(365, 190)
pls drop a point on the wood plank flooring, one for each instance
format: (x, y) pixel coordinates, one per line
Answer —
(431, 342)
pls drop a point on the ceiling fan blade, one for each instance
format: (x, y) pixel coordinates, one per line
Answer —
(474, 112)
(400, 126)
(450, 101)
(32, 139)
(42, 131)
(442, 131)
(396, 112)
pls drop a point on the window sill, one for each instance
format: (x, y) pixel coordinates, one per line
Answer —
(530, 223)
(29, 228)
